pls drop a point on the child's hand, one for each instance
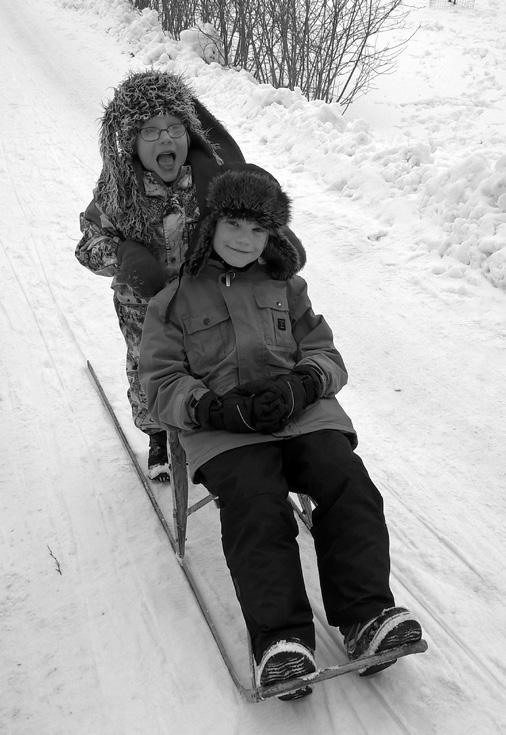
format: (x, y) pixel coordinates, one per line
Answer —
(139, 269)
(271, 407)
(276, 401)
(229, 412)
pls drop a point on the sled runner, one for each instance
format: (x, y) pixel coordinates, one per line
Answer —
(177, 533)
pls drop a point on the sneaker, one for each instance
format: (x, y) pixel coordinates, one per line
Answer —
(394, 627)
(158, 460)
(285, 660)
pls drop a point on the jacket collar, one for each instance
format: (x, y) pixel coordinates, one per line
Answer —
(216, 268)
(153, 186)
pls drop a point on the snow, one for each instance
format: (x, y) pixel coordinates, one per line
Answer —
(401, 204)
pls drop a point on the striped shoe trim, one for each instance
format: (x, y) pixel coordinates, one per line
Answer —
(158, 469)
(286, 660)
(398, 630)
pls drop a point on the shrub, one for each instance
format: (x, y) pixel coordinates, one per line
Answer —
(330, 49)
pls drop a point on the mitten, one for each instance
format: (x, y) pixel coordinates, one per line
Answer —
(229, 412)
(283, 398)
(302, 386)
(140, 269)
(271, 406)
(311, 381)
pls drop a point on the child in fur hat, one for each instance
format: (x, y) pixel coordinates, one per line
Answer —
(235, 358)
(160, 146)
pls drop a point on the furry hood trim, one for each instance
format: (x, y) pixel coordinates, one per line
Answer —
(246, 191)
(141, 96)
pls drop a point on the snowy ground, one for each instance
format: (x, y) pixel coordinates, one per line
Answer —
(402, 208)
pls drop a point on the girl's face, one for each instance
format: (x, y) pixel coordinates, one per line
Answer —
(165, 155)
(239, 241)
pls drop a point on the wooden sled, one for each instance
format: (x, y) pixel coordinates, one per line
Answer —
(177, 534)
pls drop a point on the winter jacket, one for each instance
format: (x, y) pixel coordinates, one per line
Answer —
(228, 327)
(174, 212)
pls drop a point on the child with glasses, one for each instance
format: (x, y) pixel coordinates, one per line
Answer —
(234, 356)
(159, 147)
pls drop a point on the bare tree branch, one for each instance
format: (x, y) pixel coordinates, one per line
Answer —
(331, 49)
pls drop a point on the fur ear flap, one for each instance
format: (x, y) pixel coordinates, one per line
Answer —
(282, 259)
(116, 183)
(289, 234)
(117, 189)
(109, 176)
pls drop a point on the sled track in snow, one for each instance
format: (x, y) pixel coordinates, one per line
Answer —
(496, 678)
(36, 319)
(389, 487)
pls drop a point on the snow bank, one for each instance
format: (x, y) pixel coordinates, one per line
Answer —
(434, 165)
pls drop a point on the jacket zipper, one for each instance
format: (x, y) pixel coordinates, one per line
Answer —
(229, 277)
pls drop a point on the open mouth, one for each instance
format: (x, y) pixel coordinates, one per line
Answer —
(166, 160)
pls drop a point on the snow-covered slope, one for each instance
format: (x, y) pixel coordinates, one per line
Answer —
(99, 633)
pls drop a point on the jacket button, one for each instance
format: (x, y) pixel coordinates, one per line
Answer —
(278, 303)
(207, 321)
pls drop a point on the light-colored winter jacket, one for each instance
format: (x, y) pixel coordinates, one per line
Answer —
(224, 328)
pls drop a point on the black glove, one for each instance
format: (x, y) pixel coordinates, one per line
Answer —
(140, 269)
(276, 401)
(270, 407)
(311, 381)
(229, 412)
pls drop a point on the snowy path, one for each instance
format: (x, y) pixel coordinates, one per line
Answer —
(100, 634)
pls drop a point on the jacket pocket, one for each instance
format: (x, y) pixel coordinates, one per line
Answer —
(208, 340)
(275, 317)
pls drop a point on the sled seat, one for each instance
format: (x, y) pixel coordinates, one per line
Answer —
(302, 507)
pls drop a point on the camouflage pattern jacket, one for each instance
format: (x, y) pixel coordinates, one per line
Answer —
(173, 211)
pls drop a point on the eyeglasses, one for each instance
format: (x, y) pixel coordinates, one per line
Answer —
(173, 131)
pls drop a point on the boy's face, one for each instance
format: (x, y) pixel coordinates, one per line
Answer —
(166, 155)
(239, 241)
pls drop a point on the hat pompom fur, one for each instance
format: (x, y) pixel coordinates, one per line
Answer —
(248, 192)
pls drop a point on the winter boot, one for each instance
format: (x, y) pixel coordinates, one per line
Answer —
(158, 461)
(285, 660)
(394, 627)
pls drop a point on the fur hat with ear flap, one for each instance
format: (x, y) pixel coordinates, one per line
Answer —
(141, 96)
(245, 191)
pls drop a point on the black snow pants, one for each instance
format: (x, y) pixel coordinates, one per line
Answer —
(259, 534)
